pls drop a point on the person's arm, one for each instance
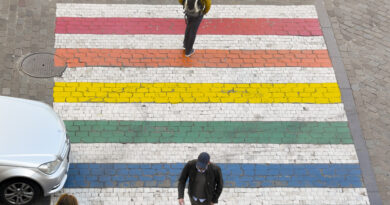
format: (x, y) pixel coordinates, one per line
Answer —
(207, 6)
(182, 180)
(218, 185)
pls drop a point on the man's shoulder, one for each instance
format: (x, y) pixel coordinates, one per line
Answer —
(192, 162)
(215, 166)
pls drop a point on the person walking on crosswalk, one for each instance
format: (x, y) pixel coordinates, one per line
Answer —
(194, 11)
(205, 184)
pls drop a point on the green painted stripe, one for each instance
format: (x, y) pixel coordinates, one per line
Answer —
(208, 132)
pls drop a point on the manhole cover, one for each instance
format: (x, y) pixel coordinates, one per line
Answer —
(41, 65)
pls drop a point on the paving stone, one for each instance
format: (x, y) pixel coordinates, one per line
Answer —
(6, 91)
(360, 29)
(18, 14)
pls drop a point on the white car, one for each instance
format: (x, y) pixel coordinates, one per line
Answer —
(34, 151)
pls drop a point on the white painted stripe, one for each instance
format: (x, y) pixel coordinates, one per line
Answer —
(229, 196)
(227, 42)
(201, 112)
(198, 75)
(176, 11)
(183, 152)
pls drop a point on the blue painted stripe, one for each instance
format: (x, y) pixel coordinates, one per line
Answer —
(85, 175)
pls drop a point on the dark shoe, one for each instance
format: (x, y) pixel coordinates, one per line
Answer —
(190, 53)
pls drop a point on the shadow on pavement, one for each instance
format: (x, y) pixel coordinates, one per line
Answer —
(43, 201)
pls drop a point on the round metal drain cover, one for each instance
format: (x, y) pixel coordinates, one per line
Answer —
(41, 65)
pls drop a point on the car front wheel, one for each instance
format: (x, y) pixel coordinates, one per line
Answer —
(19, 192)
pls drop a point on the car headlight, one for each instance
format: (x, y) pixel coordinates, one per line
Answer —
(50, 167)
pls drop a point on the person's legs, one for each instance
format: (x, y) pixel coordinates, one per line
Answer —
(193, 25)
(186, 33)
(190, 24)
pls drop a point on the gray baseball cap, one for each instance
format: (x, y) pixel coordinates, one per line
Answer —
(203, 160)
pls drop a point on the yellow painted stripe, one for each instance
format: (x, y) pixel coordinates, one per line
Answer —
(318, 93)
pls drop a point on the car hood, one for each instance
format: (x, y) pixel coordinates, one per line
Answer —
(30, 132)
(25, 160)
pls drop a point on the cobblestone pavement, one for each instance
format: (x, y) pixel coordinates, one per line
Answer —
(246, 95)
(362, 32)
(25, 28)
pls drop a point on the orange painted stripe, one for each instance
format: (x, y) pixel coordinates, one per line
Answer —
(202, 58)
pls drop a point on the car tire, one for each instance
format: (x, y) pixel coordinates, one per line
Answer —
(24, 190)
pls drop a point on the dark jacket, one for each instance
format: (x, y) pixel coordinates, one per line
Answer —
(214, 181)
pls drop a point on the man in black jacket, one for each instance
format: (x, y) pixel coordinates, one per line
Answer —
(205, 184)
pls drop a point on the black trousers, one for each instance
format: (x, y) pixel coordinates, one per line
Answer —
(191, 29)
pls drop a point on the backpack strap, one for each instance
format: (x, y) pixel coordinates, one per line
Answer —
(196, 8)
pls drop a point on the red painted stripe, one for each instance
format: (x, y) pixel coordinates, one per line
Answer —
(223, 26)
(202, 58)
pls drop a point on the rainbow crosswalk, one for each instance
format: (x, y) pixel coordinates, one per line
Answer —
(260, 95)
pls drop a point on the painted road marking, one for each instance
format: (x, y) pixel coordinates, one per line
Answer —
(230, 196)
(198, 75)
(290, 131)
(82, 57)
(201, 112)
(224, 26)
(104, 131)
(176, 11)
(227, 42)
(121, 175)
(319, 93)
(254, 153)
